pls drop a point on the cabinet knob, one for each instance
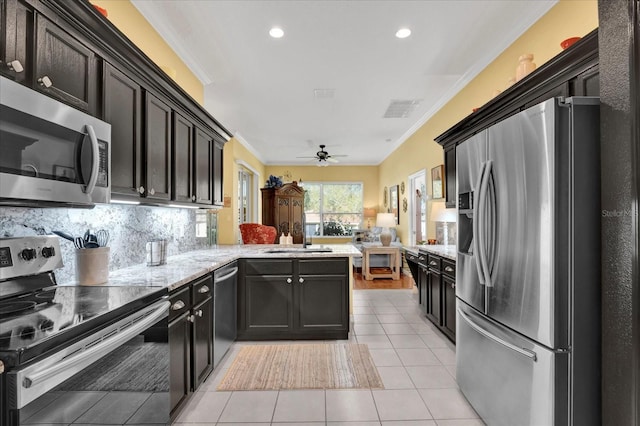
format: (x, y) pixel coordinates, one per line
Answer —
(16, 66)
(45, 81)
(448, 268)
(191, 318)
(433, 263)
(141, 190)
(193, 198)
(152, 191)
(453, 285)
(203, 289)
(421, 258)
(199, 313)
(300, 280)
(178, 305)
(288, 280)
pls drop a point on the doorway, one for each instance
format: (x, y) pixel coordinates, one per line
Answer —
(417, 207)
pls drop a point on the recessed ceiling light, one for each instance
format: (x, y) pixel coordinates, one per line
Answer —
(276, 32)
(403, 33)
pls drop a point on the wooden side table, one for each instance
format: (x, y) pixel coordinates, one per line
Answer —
(394, 262)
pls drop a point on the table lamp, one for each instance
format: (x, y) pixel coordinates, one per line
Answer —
(369, 213)
(443, 216)
(385, 221)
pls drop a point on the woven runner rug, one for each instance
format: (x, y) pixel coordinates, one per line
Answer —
(302, 366)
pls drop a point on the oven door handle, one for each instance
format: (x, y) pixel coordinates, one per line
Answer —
(94, 352)
(95, 167)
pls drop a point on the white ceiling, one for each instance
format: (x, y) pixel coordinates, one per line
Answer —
(262, 89)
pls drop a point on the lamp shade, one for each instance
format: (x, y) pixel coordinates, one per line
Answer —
(369, 212)
(446, 215)
(385, 220)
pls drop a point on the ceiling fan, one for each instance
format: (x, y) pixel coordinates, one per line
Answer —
(323, 158)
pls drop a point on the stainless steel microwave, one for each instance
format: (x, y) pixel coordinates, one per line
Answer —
(50, 153)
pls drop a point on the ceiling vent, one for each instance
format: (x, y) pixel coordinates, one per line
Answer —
(324, 93)
(401, 108)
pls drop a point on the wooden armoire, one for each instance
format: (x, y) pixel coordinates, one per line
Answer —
(284, 208)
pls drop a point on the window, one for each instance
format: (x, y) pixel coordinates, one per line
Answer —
(332, 209)
(245, 198)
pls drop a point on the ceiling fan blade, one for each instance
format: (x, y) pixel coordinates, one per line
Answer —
(307, 157)
(332, 160)
(339, 155)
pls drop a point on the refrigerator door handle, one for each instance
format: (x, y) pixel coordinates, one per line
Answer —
(482, 201)
(525, 352)
(476, 220)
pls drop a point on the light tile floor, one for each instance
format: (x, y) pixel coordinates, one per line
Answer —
(416, 363)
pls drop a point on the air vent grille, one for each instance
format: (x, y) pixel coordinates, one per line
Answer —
(401, 108)
(324, 93)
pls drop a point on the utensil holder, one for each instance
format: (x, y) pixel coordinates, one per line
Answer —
(156, 252)
(92, 266)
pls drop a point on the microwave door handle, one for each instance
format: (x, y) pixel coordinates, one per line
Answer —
(475, 226)
(95, 149)
(484, 186)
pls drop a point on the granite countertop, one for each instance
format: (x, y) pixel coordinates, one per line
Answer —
(183, 268)
(447, 251)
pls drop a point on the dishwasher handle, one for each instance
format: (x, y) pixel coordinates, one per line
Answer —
(233, 272)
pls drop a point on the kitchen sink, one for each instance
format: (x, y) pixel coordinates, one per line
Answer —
(300, 250)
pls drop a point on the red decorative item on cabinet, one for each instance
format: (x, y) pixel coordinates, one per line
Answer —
(568, 42)
(102, 10)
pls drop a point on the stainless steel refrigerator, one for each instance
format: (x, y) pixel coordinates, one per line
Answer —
(528, 267)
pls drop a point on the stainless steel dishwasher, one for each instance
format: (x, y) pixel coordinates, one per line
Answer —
(225, 301)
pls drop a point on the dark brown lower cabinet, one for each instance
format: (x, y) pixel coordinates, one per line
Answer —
(293, 299)
(190, 339)
(436, 280)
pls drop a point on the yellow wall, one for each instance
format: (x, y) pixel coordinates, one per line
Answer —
(127, 19)
(234, 151)
(368, 175)
(566, 19)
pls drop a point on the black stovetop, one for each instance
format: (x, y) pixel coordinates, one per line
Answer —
(45, 320)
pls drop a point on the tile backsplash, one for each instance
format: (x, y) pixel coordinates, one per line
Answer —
(130, 228)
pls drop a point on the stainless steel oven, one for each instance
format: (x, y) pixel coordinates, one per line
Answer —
(79, 354)
(51, 152)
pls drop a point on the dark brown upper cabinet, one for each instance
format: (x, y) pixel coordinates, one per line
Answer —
(183, 134)
(123, 110)
(218, 169)
(16, 35)
(204, 158)
(65, 68)
(157, 148)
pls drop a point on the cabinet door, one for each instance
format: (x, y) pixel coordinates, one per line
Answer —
(587, 83)
(204, 158)
(450, 175)
(180, 360)
(64, 68)
(322, 302)
(16, 31)
(295, 219)
(423, 278)
(123, 109)
(268, 303)
(449, 307)
(157, 148)
(434, 290)
(182, 159)
(202, 341)
(281, 216)
(218, 169)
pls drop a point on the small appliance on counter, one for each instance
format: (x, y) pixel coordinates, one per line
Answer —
(56, 340)
(156, 252)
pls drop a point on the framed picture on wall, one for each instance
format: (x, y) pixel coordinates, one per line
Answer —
(394, 203)
(437, 182)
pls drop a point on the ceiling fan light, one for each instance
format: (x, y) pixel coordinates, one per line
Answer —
(276, 32)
